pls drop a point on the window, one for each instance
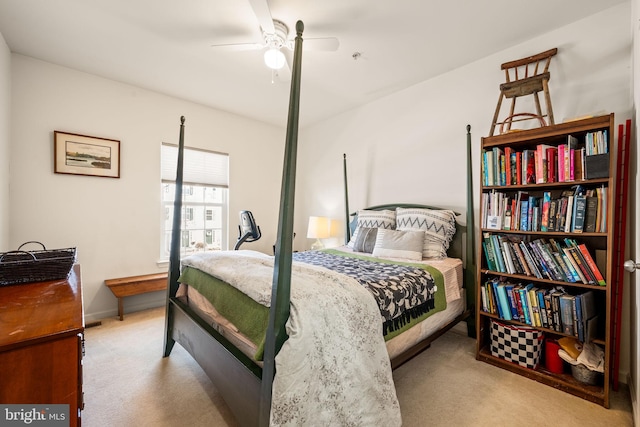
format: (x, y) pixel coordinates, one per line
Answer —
(204, 200)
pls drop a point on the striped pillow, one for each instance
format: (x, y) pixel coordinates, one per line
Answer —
(366, 240)
(439, 227)
(373, 219)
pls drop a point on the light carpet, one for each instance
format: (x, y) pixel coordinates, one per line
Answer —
(127, 382)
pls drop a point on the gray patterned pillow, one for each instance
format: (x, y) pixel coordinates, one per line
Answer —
(366, 240)
(399, 244)
(439, 227)
(373, 219)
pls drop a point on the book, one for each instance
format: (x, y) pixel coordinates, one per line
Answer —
(560, 163)
(522, 259)
(569, 251)
(549, 310)
(498, 254)
(588, 305)
(592, 264)
(509, 265)
(541, 163)
(523, 291)
(555, 294)
(577, 318)
(512, 304)
(579, 164)
(532, 299)
(529, 167)
(489, 168)
(507, 162)
(580, 206)
(530, 261)
(489, 257)
(572, 270)
(507, 218)
(582, 262)
(590, 214)
(553, 205)
(540, 294)
(566, 313)
(552, 153)
(569, 214)
(524, 215)
(483, 298)
(505, 308)
(572, 144)
(546, 202)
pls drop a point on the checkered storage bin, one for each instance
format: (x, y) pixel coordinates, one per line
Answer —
(518, 344)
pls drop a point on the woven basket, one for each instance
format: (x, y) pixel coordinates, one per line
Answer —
(19, 266)
(585, 375)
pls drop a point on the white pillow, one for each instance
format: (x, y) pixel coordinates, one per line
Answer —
(399, 244)
(373, 219)
(439, 227)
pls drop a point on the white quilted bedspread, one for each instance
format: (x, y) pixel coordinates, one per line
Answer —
(334, 369)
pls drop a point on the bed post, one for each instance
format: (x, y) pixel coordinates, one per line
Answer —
(281, 287)
(470, 264)
(347, 235)
(174, 255)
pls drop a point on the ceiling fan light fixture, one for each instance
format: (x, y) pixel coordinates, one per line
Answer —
(274, 59)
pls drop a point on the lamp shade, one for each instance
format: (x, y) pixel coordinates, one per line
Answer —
(274, 59)
(319, 228)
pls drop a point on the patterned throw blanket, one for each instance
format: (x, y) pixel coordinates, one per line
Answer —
(403, 292)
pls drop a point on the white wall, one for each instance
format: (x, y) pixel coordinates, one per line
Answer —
(5, 117)
(411, 146)
(115, 223)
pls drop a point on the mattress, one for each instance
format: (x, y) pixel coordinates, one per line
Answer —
(451, 269)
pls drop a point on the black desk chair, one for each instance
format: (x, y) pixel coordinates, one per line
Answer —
(249, 231)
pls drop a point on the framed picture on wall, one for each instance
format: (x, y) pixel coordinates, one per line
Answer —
(86, 155)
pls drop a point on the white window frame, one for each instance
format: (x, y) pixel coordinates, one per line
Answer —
(207, 170)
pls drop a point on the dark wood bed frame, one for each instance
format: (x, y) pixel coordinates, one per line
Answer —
(245, 386)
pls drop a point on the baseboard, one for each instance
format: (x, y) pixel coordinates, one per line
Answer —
(129, 308)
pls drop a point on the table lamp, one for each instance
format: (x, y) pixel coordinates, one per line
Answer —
(319, 228)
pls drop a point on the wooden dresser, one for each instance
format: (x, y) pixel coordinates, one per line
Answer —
(41, 339)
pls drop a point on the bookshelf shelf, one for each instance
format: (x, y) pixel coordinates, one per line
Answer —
(521, 277)
(565, 382)
(547, 185)
(547, 233)
(537, 247)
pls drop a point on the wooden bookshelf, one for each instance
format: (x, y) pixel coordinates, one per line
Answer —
(556, 239)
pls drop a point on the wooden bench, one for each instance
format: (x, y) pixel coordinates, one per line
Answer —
(135, 285)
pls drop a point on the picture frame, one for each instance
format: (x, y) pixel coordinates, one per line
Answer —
(77, 154)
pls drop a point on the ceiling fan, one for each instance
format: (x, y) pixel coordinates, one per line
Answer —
(276, 43)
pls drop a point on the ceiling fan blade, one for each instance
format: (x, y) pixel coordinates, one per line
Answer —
(328, 44)
(261, 9)
(238, 46)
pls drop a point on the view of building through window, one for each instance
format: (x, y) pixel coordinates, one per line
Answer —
(204, 216)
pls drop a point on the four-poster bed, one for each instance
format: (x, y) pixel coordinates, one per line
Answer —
(246, 380)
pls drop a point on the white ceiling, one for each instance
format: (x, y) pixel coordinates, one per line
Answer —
(165, 45)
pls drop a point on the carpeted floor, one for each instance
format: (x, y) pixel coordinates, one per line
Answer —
(128, 383)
